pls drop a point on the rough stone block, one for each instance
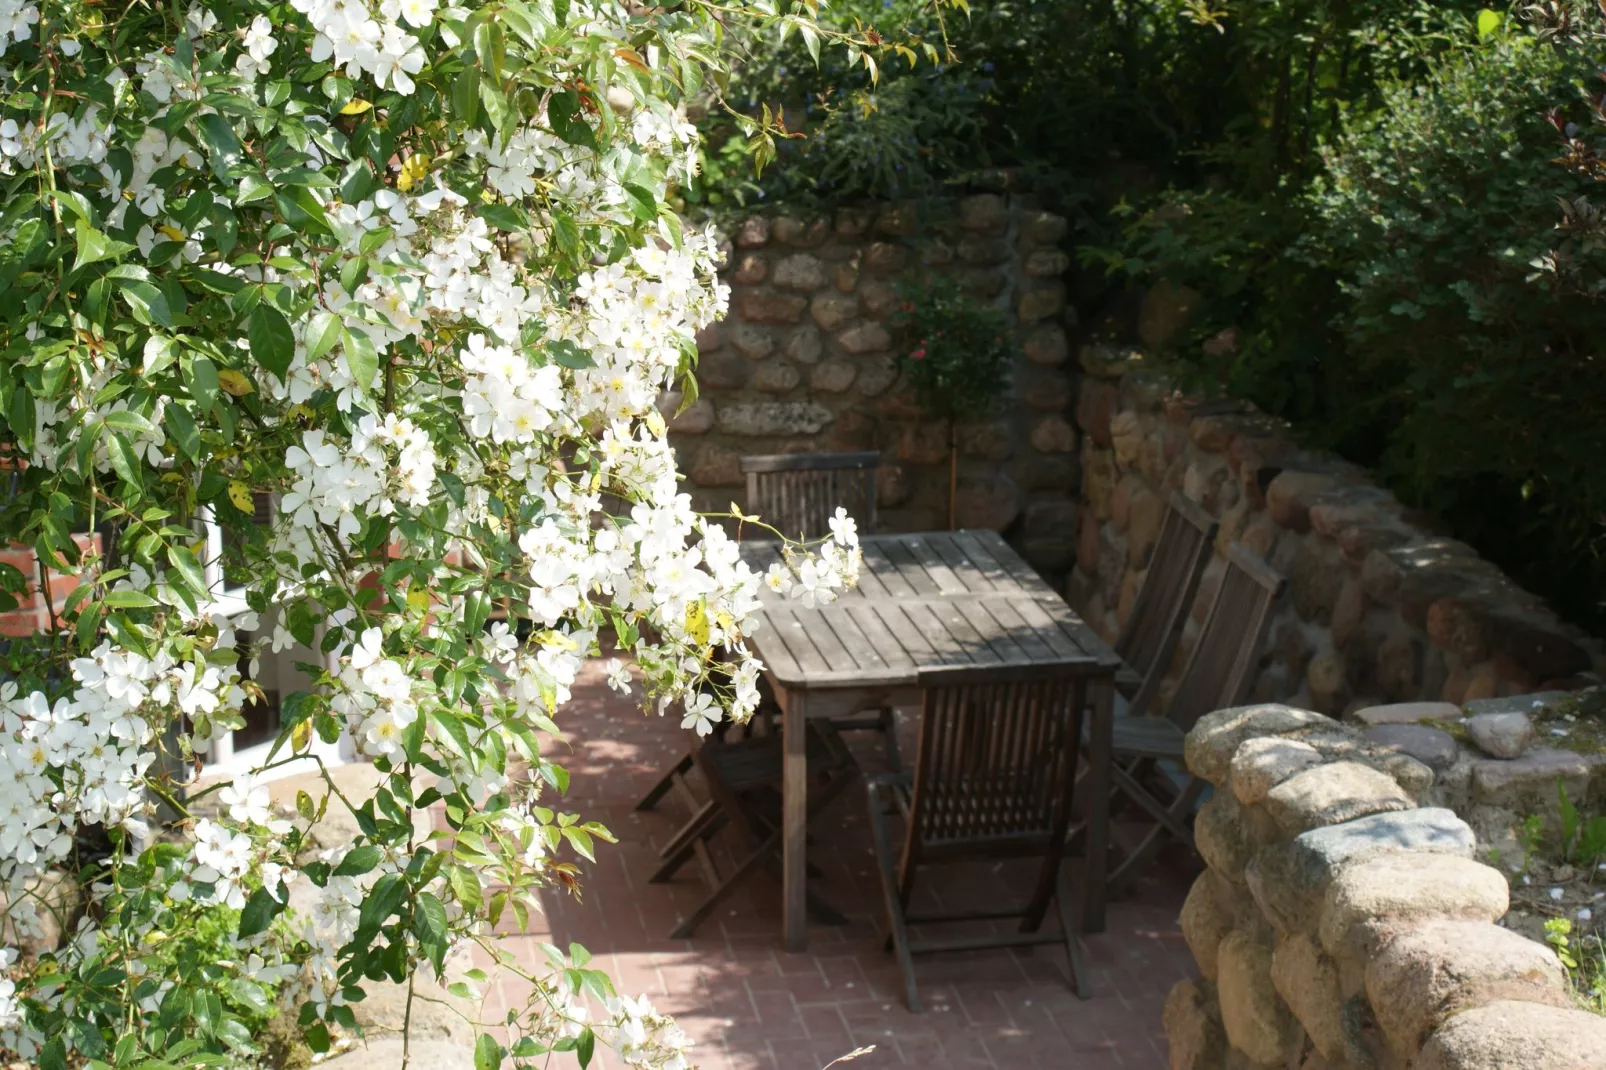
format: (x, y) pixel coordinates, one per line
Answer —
(1224, 836)
(1048, 532)
(717, 466)
(777, 377)
(1052, 434)
(1208, 915)
(1319, 572)
(1422, 976)
(1509, 1035)
(1040, 302)
(1307, 980)
(1192, 1023)
(1261, 764)
(803, 345)
(1367, 898)
(1216, 737)
(1044, 228)
(757, 306)
(1501, 735)
(1290, 880)
(865, 338)
(753, 232)
(752, 341)
(697, 419)
(1046, 263)
(985, 213)
(774, 418)
(831, 311)
(1407, 713)
(1528, 783)
(876, 375)
(990, 504)
(1432, 747)
(1043, 389)
(833, 376)
(799, 233)
(885, 258)
(1046, 344)
(1291, 494)
(1256, 1020)
(751, 269)
(800, 272)
(1126, 436)
(1333, 794)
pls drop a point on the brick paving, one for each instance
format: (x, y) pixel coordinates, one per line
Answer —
(752, 1006)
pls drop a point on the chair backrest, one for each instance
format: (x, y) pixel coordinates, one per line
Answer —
(798, 493)
(997, 758)
(1146, 643)
(1222, 668)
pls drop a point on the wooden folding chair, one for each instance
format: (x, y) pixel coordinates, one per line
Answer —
(743, 778)
(1149, 638)
(994, 776)
(1218, 675)
(798, 493)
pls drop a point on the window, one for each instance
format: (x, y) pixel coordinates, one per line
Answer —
(277, 675)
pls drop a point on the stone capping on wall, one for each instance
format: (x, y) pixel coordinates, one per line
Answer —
(1383, 607)
(1342, 925)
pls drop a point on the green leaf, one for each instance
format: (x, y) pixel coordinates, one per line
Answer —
(93, 246)
(147, 303)
(222, 146)
(569, 355)
(429, 925)
(181, 428)
(201, 378)
(466, 95)
(132, 422)
(272, 342)
(585, 1045)
(258, 913)
(487, 1053)
(466, 887)
(358, 860)
(125, 462)
(361, 360)
(504, 217)
(128, 600)
(322, 334)
(642, 202)
(1488, 22)
(253, 188)
(189, 568)
(496, 109)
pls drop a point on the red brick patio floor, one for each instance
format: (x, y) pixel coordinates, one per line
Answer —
(749, 1005)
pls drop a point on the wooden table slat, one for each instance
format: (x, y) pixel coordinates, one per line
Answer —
(820, 626)
(947, 580)
(981, 575)
(902, 556)
(990, 547)
(885, 571)
(873, 654)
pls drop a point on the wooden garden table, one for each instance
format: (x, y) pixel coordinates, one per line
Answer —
(924, 599)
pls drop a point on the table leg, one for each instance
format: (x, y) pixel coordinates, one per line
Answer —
(794, 822)
(1101, 737)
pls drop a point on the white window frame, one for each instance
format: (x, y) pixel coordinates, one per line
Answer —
(225, 760)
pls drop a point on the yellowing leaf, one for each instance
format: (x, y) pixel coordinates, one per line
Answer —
(172, 232)
(301, 736)
(234, 382)
(355, 106)
(413, 170)
(418, 600)
(697, 622)
(240, 495)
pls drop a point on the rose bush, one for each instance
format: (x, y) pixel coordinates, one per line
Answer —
(406, 269)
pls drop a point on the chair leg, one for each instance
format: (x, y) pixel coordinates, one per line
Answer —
(1123, 875)
(687, 843)
(1073, 936)
(889, 889)
(752, 862)
(665, 784)
(889, 735)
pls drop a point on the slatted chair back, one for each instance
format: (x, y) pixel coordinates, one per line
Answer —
(1146, 643)
(798, 493)
(998, 751)
(1221, 670)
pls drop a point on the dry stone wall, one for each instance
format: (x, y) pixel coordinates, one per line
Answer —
(1382, 608)
(1342, 921)
(805, 361)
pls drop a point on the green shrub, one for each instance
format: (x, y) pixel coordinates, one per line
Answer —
(955, 351)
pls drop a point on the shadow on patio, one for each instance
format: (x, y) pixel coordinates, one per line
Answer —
(751, 1006)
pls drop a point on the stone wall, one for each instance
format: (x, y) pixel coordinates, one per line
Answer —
(1342, 923)
(1383, 607)
(805, 361)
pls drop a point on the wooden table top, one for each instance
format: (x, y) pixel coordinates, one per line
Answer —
(924, 599)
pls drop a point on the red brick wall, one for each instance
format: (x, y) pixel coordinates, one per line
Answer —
(32, 614)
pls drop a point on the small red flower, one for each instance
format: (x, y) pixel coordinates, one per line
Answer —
(919, 354)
